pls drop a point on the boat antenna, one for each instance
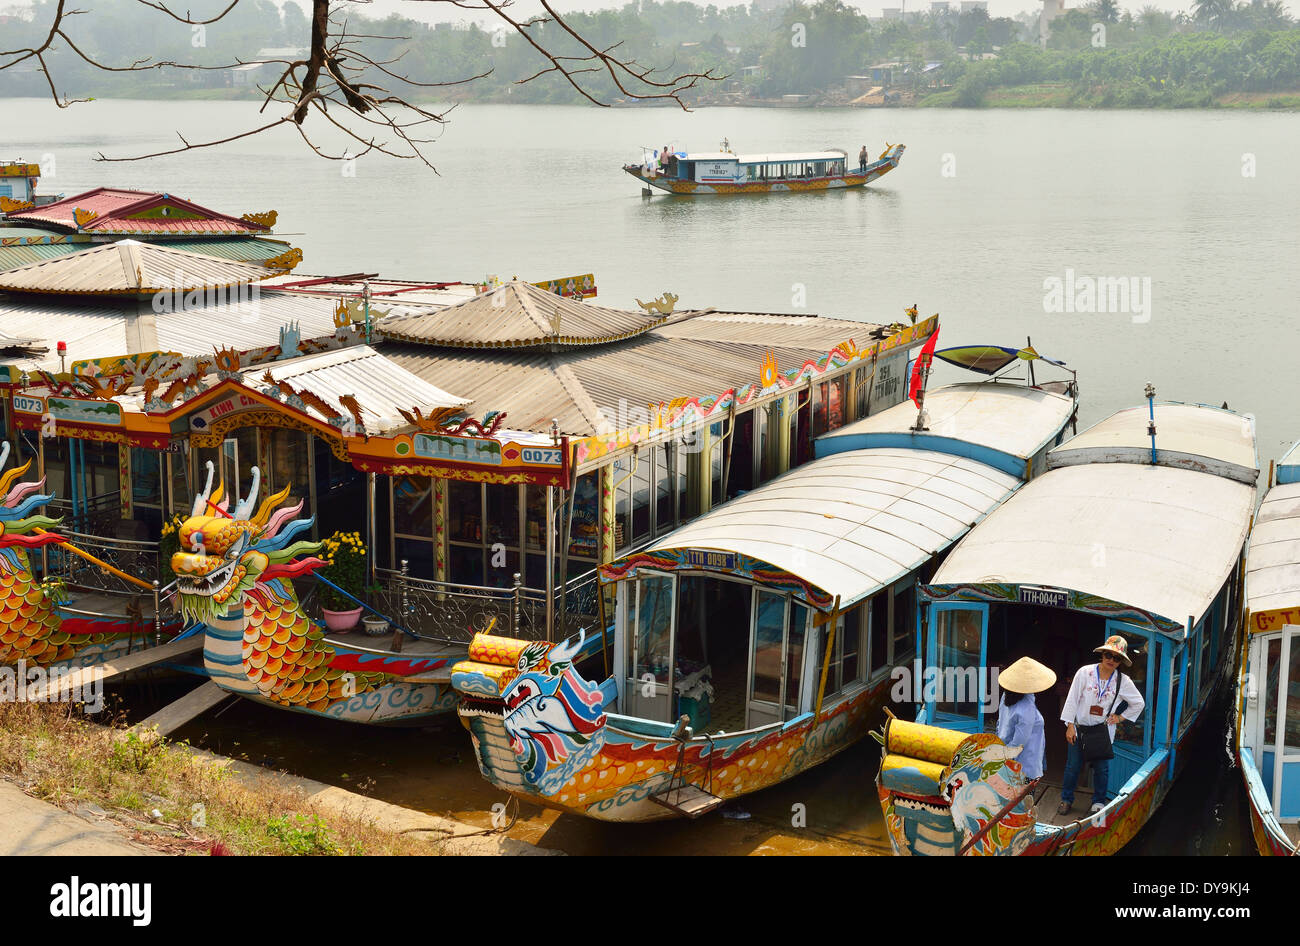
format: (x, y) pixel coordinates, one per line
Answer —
(1151, 424)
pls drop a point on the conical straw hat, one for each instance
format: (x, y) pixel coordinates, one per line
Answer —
(1026, 675)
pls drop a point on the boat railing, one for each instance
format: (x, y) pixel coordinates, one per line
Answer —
(140, 559)
(454, 612)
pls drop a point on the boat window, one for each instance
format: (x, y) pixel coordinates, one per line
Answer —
(665, 491)
(880, 631)
(654, 629)
(850, 646)
(794, 654)
(716, 446)
(412, 505)
(1189, 697)
(1271, 664)
(835, 402)
(860, 393)
(904, 643)
(1291, 720)
(689, 466)
(769, 630)
(640, 484)
(583, 535)
(958, 649)
(740, 475)
(767, 418)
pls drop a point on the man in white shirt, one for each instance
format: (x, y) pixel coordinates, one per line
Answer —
(1096, 691)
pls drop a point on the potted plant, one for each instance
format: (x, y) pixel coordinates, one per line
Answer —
(345, 566)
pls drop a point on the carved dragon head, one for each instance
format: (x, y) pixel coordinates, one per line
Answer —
(227, 556)
(18, 527)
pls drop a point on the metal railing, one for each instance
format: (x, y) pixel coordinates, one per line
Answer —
(452, 612)
(141, 559)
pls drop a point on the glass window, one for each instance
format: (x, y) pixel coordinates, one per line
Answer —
(904, 618)
(769, 420)
(640, 484)
(879, 630)
(146, 477)
(740, 476)
(665, 491)
(418, 555)
(654, 628)
(820, 397)
(835, 403)
(535, 517)
(1292, 721)
(288, 460)
(501, 521)
(715, 463)
(1135, 733)
(860, 388)
(586, 516)
(769, 630)
(465, 511)
(1207, 637)
(686, 507)
(958, 641)
(182, 493)
(465, 564)
(852, 644)
(412, 505)
(1272, 665)
(503, 564)
(794, 654)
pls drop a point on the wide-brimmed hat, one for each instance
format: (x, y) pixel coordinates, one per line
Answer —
(1026, 675)
(1115, 645)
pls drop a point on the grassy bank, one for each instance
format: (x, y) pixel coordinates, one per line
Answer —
(1111, 95)
(54, 753)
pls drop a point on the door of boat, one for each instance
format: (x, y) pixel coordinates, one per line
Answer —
(778, 633)
(653, 630)
(1132, 745)
(1280, 762)
(955, 684)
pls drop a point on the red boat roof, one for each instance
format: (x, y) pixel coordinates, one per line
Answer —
(136, 212)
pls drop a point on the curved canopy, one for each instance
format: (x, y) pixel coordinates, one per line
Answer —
(1157, 538)
(132, 268)
(990, 359)
(1273, 562)
(851, 523)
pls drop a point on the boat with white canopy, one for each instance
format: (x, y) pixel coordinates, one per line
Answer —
(1137, 529)
(1267, 721)
(758, 640)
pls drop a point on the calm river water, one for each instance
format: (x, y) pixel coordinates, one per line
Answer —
(986, 209)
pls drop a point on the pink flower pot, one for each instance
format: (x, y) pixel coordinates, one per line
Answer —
(340, 621)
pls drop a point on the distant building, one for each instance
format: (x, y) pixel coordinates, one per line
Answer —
(970, 6)
(939, 8)
(892, 13)
(1051, 10)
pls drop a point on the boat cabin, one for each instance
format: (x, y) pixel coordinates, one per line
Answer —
(1269, 736)
(726, 168)
(1123, 536)
(734, 619)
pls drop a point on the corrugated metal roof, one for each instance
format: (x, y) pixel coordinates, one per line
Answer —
(90, 331)
(1157, 538)
(1010, 418)
(242, 249)
(519, 314)
(379, 385)
(770, 329)
(129, 266)
(1273, 562)
(1191, 436)
(853, 522)
(113, 208)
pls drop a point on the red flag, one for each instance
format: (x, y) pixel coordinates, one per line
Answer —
(921, 368)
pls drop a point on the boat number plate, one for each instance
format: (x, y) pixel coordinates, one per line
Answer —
(1048, 597)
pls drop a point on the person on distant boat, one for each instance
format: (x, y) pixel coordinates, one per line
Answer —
(862, 159)
(1019, 721)
(1101, 693)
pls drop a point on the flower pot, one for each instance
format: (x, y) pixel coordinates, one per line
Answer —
(375, 626)
(340, 621)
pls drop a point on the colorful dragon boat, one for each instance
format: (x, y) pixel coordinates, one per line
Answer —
(722, 172)
(1266, 736)
(37, 626)
(757, 641)
(1137, 529)
(235, 575)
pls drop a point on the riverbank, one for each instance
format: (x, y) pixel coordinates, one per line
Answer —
(175, 799)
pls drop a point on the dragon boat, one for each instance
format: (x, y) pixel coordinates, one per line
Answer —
(1138, 529)
(757, 641)
(44, 623)
(1266, 731)
(722, 172)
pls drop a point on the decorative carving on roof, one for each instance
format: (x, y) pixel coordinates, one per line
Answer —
(663, 305)
(286, 260)
(9, 205)
(266, 219)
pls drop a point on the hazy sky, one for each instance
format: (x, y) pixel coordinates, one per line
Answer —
(432, 11)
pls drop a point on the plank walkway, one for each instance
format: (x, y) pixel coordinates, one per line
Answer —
(179, 712)
(120, 665)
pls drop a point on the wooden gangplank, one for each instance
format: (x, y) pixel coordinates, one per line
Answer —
(120, 665)
(179, 712)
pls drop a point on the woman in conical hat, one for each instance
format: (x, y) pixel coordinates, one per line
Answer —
(1019, 722)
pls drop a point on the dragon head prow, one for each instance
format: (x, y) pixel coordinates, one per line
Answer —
(228, 556)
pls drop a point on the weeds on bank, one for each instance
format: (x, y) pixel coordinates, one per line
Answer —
(171, 798)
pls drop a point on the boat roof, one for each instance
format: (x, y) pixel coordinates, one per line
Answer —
(1273, 561)
(1002, 424)
(852, 523)
(1157, 538)
(766, 158)
(1288, 468)
(1190, 436)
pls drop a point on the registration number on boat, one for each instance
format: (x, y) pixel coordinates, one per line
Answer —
(543, 455)
(1048, 597)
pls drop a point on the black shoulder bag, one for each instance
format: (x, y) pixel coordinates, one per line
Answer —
(1094, 741)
